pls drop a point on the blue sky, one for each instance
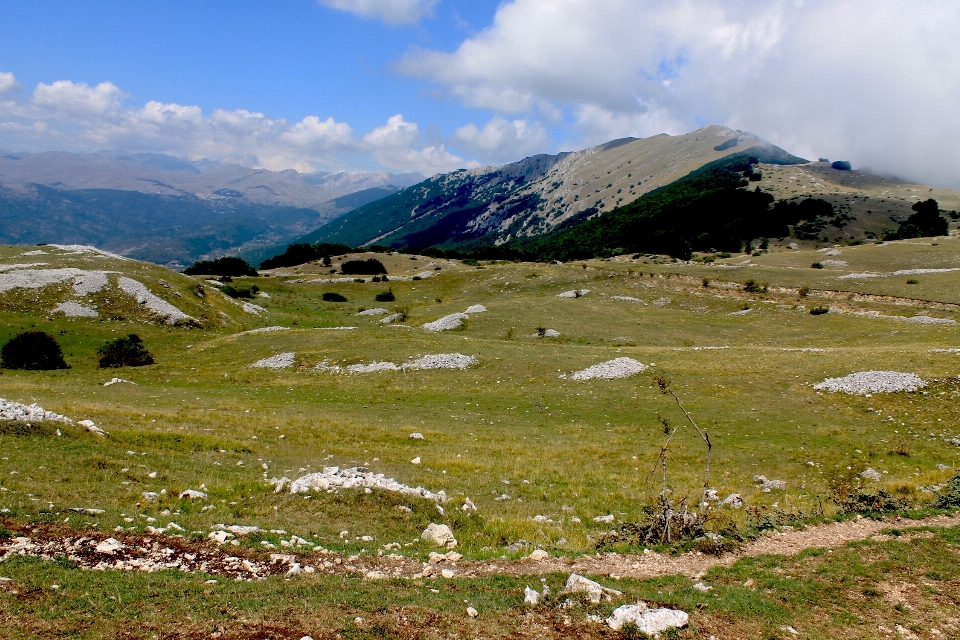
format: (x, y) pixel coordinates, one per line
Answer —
(433, 85)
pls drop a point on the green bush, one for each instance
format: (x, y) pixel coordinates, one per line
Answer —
(949, 496)
(33, 350)
(225, 266)
(752, 286)
(912, 281)
(385, 296)
(368, 267)
(819, 311)
(124, 352)
(240, 292)
(816, 265)
(330, 296)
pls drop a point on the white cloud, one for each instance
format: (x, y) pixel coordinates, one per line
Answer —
(501, 140)
(875, 81)
(8, 83)
(389, 11)
(76, 117)
(78, 99)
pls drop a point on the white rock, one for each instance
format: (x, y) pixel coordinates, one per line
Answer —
(192, 494)
(162, 308)
(871, 474)
(219, 536)
(355, 477)
(594, 590)
(92, 428)
(415, 460)
(28, 413)
(279, 361)
(703, 588)
(416, 435)
(475, 308)
(150, 495)
(473, 613)
(530, 596)
(611, 369)
(73, 309)
(606, 518)
(574, 293)
(440, 535)
(865, 382)
(109, 546)
(373, 367)
(374, 312)
(649, 621)
(446, 323)
(538, 555)
(114, 381)
(441, 361)
(767, 484)
(734, 500)
(393, 317)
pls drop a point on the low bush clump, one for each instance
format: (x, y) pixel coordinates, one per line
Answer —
(752, 286)
(819, 311)
(385, 296)
(226, 266)
(912, 281)
(817, 265)
(240, 292)
(124, 352)
(330, 296)
(33, 350)
(368, 267)
(949, 496)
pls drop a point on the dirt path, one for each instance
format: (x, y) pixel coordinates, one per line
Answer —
(154, 553)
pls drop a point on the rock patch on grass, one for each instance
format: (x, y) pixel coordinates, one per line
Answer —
(864, 382)
(611, 370)
(447, 323)
(333, 478)
(279, 361)
(574, 293)
(162, 308)
(28, 413)
(73, 309)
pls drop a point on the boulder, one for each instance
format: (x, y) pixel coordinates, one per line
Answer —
(440, 535)
(871, 474)
(594, 590)
(530, 596)
(649, 621)
(538, 555)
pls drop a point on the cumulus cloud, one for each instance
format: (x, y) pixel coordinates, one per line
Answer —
(389, 11)
(874, 81)
(77, 117)
(501, 140)
(8, 83)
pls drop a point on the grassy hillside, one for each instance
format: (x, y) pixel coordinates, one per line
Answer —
(539, 453)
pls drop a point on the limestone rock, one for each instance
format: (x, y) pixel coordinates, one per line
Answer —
(594, 590)
(649, 621)
(440, 535)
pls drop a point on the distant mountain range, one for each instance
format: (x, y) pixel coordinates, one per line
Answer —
(170, 210)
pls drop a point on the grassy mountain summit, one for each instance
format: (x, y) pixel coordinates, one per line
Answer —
(539, 194)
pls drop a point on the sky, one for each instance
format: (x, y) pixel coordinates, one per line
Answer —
(436, 85)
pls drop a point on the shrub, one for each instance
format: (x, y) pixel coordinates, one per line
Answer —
(949, 496)
(124, 352)
(819, 311)
(330, 296)
(240, 292)
(368, 267)
(912, 281)
(225, 266)
(804, 291)
(752, 286)
(33, 350)
(385, 296)
(842, 165)
(816, 265)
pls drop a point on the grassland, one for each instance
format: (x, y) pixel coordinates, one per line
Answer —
(514, 425)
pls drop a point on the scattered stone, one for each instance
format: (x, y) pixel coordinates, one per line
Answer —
(262, 329)
(473, 613)
(162, 308)
(742, 312)
(605, 519)
(441, 361)
(150, 495)
(542, 519)
(28, 413)
(220, 536)
(332, 478)
(611, 369)
(109, 546)
(73, 309)
(192, 494)
(446, 323)
(440, 535)
(734, 500)
(769, 485)
(594, 590)
(628, 299)
(114, 381)
(942, 467)
(648, 621)
(279, 361)
(703, 588)
(475, 308)
(373, 367)
(538, 555)
(90, 426)
(575, 293)
(865, 382)
(378, 311)
(415, 460)
(530, 596)
(871, 474)
(416, 435)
